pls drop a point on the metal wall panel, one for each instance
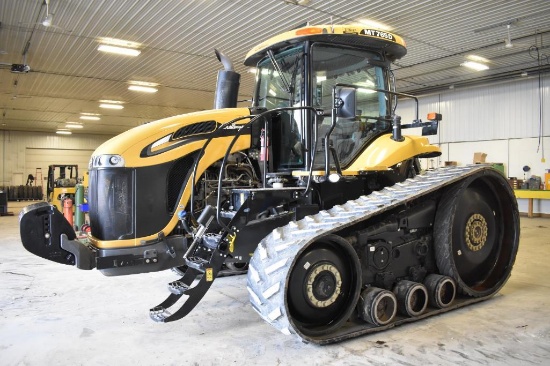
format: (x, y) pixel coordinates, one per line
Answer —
(502, 111)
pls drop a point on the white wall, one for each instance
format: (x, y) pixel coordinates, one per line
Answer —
(501, 120)
(16, 145)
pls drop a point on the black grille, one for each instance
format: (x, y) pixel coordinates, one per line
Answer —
(194, 129)
(111, 207)
(178, 175)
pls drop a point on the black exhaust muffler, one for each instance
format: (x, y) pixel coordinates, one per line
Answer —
(227, 86)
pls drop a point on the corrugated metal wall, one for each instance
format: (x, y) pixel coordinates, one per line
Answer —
(476, 118)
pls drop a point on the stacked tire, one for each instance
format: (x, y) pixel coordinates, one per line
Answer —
(24, 193)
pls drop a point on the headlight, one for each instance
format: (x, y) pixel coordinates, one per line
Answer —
(107, 161)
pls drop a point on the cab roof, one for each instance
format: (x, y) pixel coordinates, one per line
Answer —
(352, 35)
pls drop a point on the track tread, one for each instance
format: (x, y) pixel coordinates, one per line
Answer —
(286, 242)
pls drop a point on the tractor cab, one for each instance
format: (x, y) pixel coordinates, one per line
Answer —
(328, 89)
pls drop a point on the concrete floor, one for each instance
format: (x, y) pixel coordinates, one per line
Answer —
(57, 315)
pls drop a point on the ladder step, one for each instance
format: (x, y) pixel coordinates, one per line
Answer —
(159, 314)
(197, 263)
(177, 287)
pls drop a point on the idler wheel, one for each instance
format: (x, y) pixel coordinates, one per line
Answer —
(323, 286)
(476, 233)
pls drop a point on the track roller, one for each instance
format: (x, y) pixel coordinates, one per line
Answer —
(377, 306)
(412, 298)
(441, 290)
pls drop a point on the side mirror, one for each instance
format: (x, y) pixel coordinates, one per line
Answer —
(345, 102)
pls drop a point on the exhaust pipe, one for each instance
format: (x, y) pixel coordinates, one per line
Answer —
(227, 86)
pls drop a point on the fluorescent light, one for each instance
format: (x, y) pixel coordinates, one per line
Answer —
(119, 42)
(475, 65)
(272, 92)
(142, 83)
(111, 106)
(477, 58)
(110, 101)
(141, 88)
(89, 114)
(63, 132)
(118, 50)
(90, 118)
(321, 78)
(73, 125)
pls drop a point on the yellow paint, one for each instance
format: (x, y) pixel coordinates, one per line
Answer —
(129, 144)
(231, 239)
(526, 193)
(209, 275)
(384, 153)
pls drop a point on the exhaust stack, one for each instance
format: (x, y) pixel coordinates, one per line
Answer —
(227, 86)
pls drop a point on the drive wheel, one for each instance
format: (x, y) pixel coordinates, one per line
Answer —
(476, 233)
(323, 286)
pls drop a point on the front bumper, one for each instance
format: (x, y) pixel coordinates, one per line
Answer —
(46, 233)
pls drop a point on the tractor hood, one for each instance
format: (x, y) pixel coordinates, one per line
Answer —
(148, 144)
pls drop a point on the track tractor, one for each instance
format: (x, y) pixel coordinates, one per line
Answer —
(313, 190)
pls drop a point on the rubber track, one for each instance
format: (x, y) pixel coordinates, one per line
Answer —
(275, 255)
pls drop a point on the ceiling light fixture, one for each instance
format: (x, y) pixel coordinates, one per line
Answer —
(90, 118)
(63, 132)
(477, 58)
(73, 125)
(47, 20)
(141, 88)
(119, 42)
(49, 17)
(475, 65)
(119, 50)
(111, 106)
(110, 101)
(119, 46)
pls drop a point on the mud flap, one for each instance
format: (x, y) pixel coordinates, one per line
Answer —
(41, 226)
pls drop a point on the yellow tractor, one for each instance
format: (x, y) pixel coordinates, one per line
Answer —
(313, 190)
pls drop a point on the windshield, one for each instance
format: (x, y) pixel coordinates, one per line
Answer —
(364, 70)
